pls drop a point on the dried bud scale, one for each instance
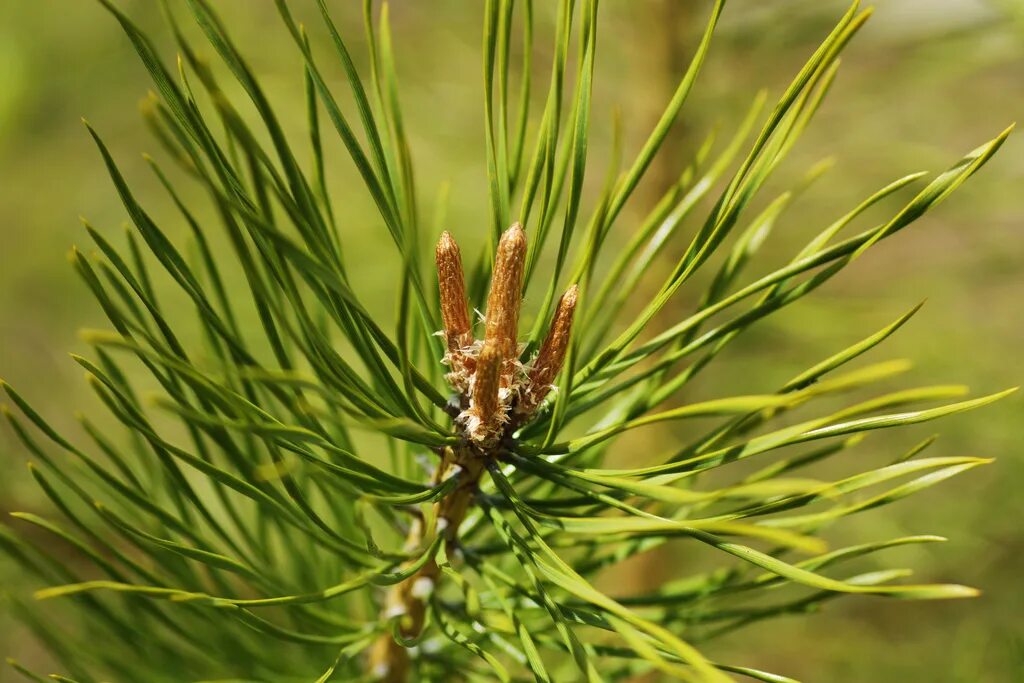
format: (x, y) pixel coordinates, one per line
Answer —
(505, 296)
(484, 417)
(458, 331)
(549, 360)
(452, 288)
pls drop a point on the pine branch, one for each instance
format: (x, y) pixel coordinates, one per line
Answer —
(244, 523)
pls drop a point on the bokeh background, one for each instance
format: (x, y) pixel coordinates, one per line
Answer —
(925, 81)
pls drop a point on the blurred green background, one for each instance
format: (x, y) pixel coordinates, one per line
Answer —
(926, 81)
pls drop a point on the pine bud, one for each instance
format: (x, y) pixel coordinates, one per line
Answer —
(452, 287)
(486, 382)
(506, 292)
(551, 356)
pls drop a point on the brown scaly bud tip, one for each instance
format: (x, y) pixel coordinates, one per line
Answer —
(486, 382)
(548, 362)
(452, 288)
(506, 291)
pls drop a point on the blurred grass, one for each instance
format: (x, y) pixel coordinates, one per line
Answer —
(925, 82)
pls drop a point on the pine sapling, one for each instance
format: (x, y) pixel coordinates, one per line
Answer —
(310, 496)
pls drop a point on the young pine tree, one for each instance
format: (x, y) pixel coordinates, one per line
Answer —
(311, 496)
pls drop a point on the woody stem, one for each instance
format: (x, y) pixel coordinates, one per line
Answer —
(388, 658)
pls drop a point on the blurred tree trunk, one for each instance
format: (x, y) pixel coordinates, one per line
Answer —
(670, 23)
